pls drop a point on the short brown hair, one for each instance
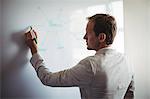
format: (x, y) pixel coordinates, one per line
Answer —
(104, 23)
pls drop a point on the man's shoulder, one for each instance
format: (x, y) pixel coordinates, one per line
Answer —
(87, 59)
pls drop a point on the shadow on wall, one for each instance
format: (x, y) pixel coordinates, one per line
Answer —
(12, 80)
(20, 58)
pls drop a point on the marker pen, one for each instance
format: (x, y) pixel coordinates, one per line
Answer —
(33, 34)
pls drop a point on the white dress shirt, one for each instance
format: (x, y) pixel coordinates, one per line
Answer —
(105, 75)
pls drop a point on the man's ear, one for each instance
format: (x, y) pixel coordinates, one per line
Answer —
(102, 37)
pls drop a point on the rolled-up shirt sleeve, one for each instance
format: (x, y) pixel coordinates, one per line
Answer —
(79, 75)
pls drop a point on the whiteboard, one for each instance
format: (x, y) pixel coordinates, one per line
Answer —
(60, 26)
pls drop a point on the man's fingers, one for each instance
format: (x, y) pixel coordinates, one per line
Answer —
(35, 33)
(28, 35)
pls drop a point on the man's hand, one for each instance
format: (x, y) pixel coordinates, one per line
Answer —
(30, 41)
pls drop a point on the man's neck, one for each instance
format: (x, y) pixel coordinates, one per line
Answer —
(104, 46)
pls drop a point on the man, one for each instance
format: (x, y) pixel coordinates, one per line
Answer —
(104, 75)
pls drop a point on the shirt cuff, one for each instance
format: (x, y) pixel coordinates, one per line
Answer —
(35, 59)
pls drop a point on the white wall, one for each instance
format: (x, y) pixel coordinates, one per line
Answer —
(149, 42)
(137, 43)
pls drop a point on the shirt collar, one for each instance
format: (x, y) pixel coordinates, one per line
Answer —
(103, 50)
